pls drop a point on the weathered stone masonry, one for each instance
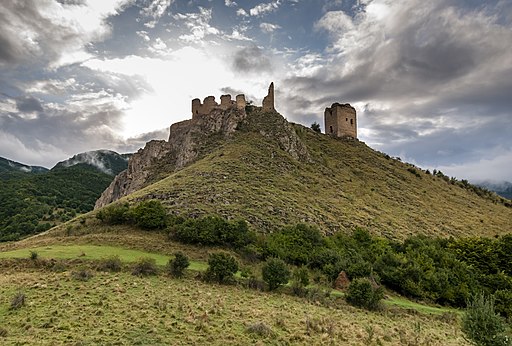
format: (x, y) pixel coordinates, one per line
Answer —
(340, 120)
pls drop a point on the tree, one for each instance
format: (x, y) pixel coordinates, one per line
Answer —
(275, 273)
(362, 294)
(150, 215)
(178, 265)
(221, 267)
(315, 127)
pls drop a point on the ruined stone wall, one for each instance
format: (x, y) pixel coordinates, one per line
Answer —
(340, 120)
(240, 101)
(268, 101)
(209, 104)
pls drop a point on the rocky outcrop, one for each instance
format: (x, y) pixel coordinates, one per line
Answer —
(186, 140)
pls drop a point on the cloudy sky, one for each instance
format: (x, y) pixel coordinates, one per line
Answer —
(431, 80)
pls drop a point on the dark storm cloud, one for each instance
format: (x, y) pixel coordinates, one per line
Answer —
(251, 60)
(28, 104)
(435, 76)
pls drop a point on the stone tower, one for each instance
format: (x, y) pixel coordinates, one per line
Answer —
(268, 101)
(340, 120)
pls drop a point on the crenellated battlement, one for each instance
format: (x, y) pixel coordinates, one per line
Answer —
(209, 104)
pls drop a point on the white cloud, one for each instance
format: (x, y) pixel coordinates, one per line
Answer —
(155, 10)
(268, 27)
(230, 3)
(242, 13)
(265, 8)
(53, 33)
(198, 24)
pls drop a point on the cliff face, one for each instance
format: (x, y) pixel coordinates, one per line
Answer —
(187, 141)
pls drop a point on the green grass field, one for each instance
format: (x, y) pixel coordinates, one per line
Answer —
(96, 252)
(121, 309)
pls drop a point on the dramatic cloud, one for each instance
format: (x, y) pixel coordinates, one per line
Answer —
(251, 60)
(419, 73)
(430, 80)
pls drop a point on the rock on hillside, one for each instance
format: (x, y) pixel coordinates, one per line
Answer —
(191, 140)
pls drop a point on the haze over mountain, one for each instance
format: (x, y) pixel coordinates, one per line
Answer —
(31, 203)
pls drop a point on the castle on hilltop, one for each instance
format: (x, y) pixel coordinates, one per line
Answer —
(226, 102)
(340, 119)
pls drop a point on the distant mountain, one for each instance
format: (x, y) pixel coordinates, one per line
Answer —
(7, 165)
(504, 189)
(32, 203)
(106, 161)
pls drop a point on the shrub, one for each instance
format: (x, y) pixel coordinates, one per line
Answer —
(297, 245)
(275, 273)
(214, 230)
(362, 294)
(145, 266)
(503, 303)
(110, 264)
(149, 215)
(301, 276)
(34, 255)
(82, 275)
(481, 324)
(178, 264)
(114, 214)
(315, 127)
(17, 301)
(221, 267)
(260, 329)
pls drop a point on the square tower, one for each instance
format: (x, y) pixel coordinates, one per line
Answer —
(340, 120)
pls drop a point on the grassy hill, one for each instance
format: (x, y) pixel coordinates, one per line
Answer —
(343, 184)
(32, 203)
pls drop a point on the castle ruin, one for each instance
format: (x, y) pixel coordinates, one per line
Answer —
(209, 103)
(340, 120)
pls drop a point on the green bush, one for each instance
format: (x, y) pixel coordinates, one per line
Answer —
(296, 245)
(145, 266)
(110, 264)
(503, 303)
(178, 264)
(213, 230)
(481, 324)
(82, 275)
(361, 293)
(34, 255)
(300, 276)
(115, 214)
(275, 273)
(221, 267)
(149, 215)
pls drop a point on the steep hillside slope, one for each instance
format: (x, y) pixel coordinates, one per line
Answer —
(31, 203)
(272, 177)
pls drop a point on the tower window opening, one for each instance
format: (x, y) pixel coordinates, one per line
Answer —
(330, 128)
(351, 121)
